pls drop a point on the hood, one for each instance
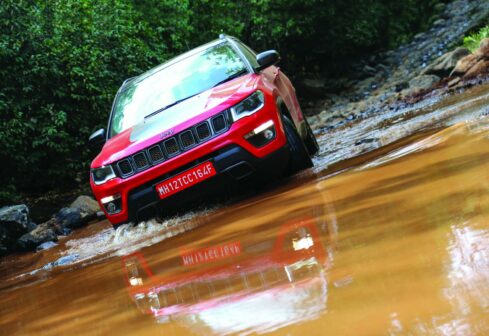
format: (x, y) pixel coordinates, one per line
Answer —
(175, 119)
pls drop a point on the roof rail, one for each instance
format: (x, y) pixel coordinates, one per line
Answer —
(127, 80)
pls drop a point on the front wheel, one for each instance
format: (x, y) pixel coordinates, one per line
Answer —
(310, 141)
(299, 157)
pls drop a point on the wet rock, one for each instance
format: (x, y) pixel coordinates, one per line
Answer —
(474, 64)
(399, 86)
(444, 65)
(439, 22)
(88, 207)
(14, 222)
(422, 82)
(100, 215)
(483, 50)
(454, 82)
(464, 65)
(43, 233)
(70, 218)
(480, 68)
(45, 246)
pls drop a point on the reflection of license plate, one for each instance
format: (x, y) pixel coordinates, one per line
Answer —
(185, 180)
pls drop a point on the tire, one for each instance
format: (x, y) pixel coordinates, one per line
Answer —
(299, 157)
(310, 141)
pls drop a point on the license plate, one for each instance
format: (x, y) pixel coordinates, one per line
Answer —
(185, 180)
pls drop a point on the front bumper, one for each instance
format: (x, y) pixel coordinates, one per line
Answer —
(227, 151)
(233, 166)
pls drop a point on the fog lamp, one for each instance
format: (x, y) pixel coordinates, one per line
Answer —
(262, 135)
(112, 204)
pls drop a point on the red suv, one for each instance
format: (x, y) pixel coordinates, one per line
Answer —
(201, 121)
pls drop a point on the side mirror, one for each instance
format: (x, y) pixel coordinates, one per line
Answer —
(97, 138)
(267, 58)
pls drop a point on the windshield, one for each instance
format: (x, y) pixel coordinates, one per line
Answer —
(176, 82)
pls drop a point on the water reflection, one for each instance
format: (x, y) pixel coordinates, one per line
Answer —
(399, 247)
(241, 286)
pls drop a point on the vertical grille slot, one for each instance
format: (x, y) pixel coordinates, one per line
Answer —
(203, 131)
(140, 160)
(156, 154)
(219, 123)
(125, 167)
(171, 146)
(187, 139)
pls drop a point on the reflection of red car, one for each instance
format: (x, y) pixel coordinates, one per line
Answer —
(215, 114)
(223, 282)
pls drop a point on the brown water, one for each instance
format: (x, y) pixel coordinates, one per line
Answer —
(398, 245)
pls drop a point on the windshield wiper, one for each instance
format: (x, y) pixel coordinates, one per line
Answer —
(233, 76)
(169, 105)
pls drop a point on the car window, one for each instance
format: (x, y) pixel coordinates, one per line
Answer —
(182, 79)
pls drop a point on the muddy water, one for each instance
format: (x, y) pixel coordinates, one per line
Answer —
(398, 245)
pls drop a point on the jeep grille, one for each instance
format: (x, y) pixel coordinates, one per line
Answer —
(174, 145)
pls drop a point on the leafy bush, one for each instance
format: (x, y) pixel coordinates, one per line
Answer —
(473, 41)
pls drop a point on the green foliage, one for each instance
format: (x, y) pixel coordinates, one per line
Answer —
(473, 41)
(62, 61)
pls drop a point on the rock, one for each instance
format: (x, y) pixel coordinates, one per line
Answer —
(444, 64)
(69, 218)
(31, 226)
(45, 246)
(483, 50)
(480, 68)
(14, 222)
(439, 7)
(454, 82)
(399, 86)
(369, 71)
(383, 68)
(439, 22)
(101, 215)
(423, 82)
(464, 64)
(420, 83)
(43, 233)
(88, 207)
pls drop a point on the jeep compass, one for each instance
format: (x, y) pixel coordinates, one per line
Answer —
(204, 120)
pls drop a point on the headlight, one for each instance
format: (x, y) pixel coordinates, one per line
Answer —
(102, 174)
(248, 106)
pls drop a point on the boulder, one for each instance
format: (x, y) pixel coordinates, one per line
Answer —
(420, 83)
(464, 64)
(43, 233)
(480, 68)
(88, 207)
(444, 64)
(70, 218)
(423, 82)
(14, 222)
(474, 64)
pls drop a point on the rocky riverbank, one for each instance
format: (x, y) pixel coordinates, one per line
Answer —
(19, 233)
(394, 79)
